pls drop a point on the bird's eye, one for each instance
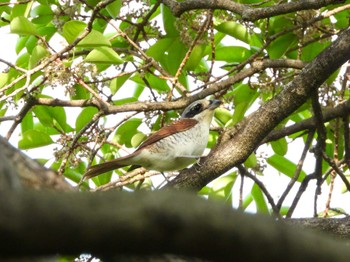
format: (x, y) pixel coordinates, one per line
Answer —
(197, 107)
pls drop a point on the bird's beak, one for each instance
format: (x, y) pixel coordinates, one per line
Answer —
(214, 104)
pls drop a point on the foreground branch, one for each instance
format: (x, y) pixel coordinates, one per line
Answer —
(18, 171)
(339, 228)
(150, 223)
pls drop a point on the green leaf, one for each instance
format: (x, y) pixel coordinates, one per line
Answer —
(27, 122)
(94, 39)
(285, 166)
(21, 43)
(4, 77)
(45, 129)
(280, 146)
(342, 20)
(222, 188)
(247, 201)
(126, 131)
(235, 30)
(168, 21)
(344, 188)
(103, 55)
(44, 115)
(114, 8)
(42, 14)
(195, 57)
(38, 53)
(85, 117)
(47, 32)
(52, 117)
(72, 29)
(177, 52)
(103, 178)
(137, 139)
(33, 138)
(22, 26)
(31, 43)
(117, 83)
(232, 54)
(244, 97)
(279, 23)
(223, 115)
(79, 93)
(281, 45)
(157, 83)
(158, 50)
(259, 199)
(312, 50)
(21, 10)
(251, 161)
(73, 175)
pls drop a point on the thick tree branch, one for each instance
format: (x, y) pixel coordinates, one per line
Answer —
(247, 12)
(339, 228)
(151, 223)
(237, 143)
(145, 106)
(18, 171)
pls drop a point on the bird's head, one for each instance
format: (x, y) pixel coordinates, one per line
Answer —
(201, 110)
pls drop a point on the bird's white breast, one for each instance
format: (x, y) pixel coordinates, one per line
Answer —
(177, 151)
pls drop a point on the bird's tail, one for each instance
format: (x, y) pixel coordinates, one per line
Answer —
(106, 167)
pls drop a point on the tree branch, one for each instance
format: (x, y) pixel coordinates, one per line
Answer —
(339, 228)
(248, 13)
(341, 110)
(150, 223)
(26, 172)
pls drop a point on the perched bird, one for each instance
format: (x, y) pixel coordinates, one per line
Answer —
(172, 147)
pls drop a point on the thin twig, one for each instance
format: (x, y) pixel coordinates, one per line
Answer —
(336, 169)
(298, 195)
(320, 146)
(245, 172)
(297, 170)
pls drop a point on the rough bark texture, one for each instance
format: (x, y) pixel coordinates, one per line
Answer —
(339, 228)
(19, 171)
(246, 11)
(116, 223)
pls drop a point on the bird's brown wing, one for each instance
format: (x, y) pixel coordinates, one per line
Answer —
(175, 127)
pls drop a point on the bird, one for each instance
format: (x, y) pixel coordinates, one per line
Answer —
(173, 147)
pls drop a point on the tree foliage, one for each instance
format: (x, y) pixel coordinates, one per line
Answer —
(94, 77)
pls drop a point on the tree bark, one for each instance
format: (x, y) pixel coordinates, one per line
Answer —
(18, 171)
(107, 224)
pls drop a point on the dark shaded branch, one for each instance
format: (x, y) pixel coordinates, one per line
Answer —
(320, 146)
(150, 223)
